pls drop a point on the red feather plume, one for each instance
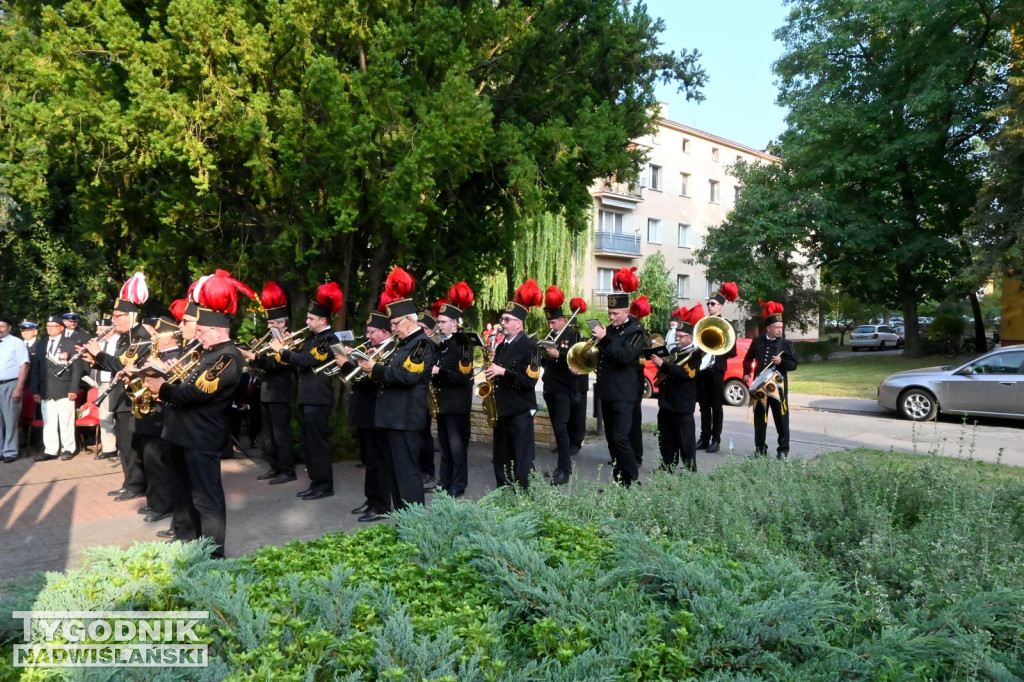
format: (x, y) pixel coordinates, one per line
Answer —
(578, 305)
(640, 308)
(385, 298)
(554, 297)
(625, 280)
(399, 283)
(435, 309)
(730, 291)
(178, 308)
(529, 294)
(219, 292)
(461, 296)
(770, 308)
(329, 295)
(680, 314)
(273, 296)
(696, 314)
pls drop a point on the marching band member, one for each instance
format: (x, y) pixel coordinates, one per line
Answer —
(562, 385)
(452, 385)
(771, 349)
(316, 394)
(275, 392)
(618, 384)
(514, 373)
(711, 380)
(677, 395)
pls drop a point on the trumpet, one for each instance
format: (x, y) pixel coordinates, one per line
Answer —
(332, 368)
(290, 341)
(381, 353)
(78, 356)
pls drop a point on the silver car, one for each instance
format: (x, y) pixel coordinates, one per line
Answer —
(991, 386)
(873, 336)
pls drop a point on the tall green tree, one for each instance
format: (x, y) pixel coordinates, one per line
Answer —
(886, 107)
(301, 139)
(657, 285)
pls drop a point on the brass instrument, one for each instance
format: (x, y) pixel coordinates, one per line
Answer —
(433, 406)
(78, 356)
(485, 390)
(143, 400)
(332, 368)
(713, 335)
(291, 341)
(136, 388)
(381, 353)
(548, 341)
(582, 357)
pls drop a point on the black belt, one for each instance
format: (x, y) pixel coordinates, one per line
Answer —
(7, 381)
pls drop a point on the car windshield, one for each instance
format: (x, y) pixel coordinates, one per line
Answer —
(866, 329)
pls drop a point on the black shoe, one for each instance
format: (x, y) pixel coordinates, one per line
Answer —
(702, 444)
(156, 516)
(66, 455)
(560, 478)
(167, 533)
(783, 454)
(44, 458)
(370, 516)
(303, 493)
(282, 478)
(574, 451)
(119, 491)
(105, 455)
(457, 493)
(714, 447)
(127, 495)
(360, 465)
(428, 480)
(362, 509)
(146, 509)
(11, 459)
(318, 495)
(269, 473)
(760, 452)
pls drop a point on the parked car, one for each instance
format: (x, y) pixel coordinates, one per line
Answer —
(878, 336)
(991, 386)
(901, 333)
(735, 388)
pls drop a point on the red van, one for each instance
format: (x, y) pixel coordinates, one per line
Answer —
(735, 388)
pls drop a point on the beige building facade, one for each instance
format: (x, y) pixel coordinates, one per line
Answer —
(685, 188)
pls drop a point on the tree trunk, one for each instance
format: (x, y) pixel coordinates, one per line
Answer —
(980, 342)
(913, 345)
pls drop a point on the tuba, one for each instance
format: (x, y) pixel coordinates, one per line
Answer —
(582, 357)
(714, 335)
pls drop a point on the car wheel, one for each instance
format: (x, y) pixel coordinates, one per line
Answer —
(736, 393)
(881, 345)
(918, 405)
(648, 388)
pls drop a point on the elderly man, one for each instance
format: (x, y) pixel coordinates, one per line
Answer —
(14, 367)
(58, 392)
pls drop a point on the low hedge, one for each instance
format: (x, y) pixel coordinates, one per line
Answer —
(838, 568)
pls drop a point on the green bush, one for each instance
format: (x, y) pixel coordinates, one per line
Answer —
(806, 351)
(835, 568)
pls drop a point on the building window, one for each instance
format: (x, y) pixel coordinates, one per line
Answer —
(686, 146)
(653, 231)
(684, 235)
(738, 158)
(713, 191)
(708, 290)
(609, 221)
(604, 279)
(655, 177)
(684, 184)
(714, 154)
(682, 286)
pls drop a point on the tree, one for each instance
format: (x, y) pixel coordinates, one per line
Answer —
(657, 285)
(302, 139)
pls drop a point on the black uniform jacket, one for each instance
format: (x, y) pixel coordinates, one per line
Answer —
(196, 415)
(124, 353)
(617, 362)
(515, 390)
(152, 425)
(677, 380)
(362, 403)
(762, 350)
(314, 389)
(36, 351)
(402, 395)
(454, 378)
(557, 376)
(53, 387)
(277, 378)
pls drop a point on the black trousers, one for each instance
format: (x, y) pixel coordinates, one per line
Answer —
(278, 444)
(560, 406)
(426, 460)
(513, 450)
(201, 511)
(711, 397)
(781, 418)
(636, 433)
(373, 452)
(316, 442)
(131, 460)
(676, 440)
(166, 474)
(453, 437)
(618, 425)
(402, 468)
(578, 423)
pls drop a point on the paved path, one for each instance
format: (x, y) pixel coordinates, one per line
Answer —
(51, 511)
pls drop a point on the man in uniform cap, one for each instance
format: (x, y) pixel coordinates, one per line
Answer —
(677, 397)
(562, 393)
(58, 392)
(711, 380)
(771, 350)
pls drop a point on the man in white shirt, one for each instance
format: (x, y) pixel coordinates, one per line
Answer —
(13, 375)
(108, 439)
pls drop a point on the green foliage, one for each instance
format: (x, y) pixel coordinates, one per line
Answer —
(806, 351)
(657, 285)
(866, 566)
(947, 326)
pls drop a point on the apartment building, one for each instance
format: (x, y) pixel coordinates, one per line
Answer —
(685, 189)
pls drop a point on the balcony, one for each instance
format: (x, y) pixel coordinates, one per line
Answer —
(599, 297)
(618, 194)
(616, 244)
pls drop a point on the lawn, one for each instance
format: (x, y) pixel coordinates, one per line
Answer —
(856, 377)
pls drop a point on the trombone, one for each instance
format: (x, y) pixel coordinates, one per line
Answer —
(549, 341)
